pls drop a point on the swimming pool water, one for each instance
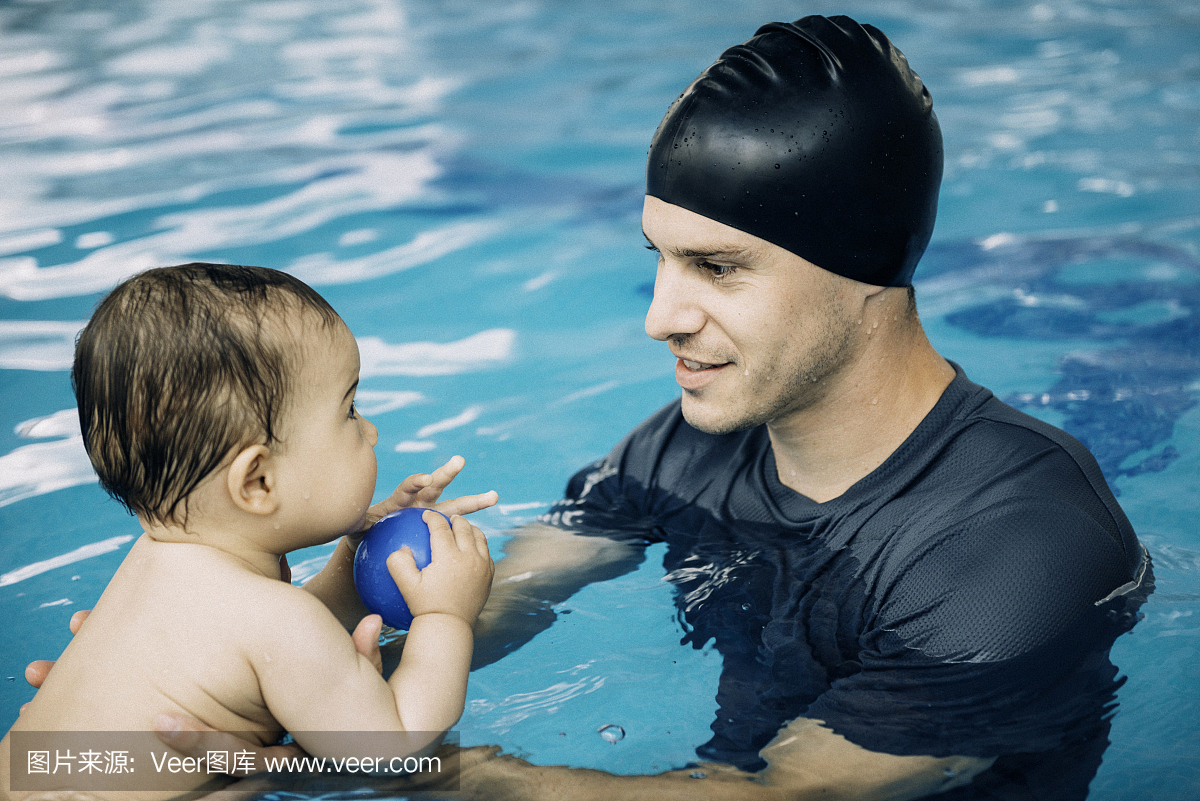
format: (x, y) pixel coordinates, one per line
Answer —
(463, 181)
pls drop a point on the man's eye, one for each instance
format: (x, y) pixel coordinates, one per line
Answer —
(717, 270)
(353, 411)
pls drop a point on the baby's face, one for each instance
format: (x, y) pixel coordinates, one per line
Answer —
(327, 453)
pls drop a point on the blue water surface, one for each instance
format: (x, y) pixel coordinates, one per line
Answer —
(463, 181)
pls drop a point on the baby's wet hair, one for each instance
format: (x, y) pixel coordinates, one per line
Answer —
(179, 366)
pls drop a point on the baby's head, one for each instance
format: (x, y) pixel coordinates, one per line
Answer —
(181, 366)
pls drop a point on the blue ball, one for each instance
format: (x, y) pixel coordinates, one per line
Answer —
(371, 577)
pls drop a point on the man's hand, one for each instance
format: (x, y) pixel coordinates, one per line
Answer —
(190, 737)
(366, 639)
(37, 670)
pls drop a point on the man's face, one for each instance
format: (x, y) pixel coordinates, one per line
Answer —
(758, 331)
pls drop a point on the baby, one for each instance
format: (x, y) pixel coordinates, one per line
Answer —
(217, 403)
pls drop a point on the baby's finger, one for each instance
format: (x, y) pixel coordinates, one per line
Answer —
(447, 472)
(441, 537)
(401, 498)
(464, 534)
(481, 544)
(468, 503)
(403, 569)
(415, 483)
(440, 479)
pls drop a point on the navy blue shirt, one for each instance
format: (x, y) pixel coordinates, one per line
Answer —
(959, 600)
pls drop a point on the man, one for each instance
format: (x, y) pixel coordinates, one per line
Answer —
(913, 586)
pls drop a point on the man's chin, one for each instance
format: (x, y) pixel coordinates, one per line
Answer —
(702, 416)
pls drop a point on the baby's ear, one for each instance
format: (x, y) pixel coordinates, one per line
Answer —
(251, 481)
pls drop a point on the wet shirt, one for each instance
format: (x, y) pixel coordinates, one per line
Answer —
(959, 600)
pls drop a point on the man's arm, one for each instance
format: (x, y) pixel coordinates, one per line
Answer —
(543, 566)
(804, 761)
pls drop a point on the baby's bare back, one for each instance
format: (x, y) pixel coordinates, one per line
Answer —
(173, 632)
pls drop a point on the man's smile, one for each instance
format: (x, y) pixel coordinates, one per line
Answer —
(691, 365)
(693, 375)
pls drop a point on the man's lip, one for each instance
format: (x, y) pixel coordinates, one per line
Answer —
(692, 364)
(697, 376)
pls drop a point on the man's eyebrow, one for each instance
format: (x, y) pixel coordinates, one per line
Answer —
(717, 252)
(350, 391)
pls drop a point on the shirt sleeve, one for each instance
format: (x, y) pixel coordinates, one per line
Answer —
(613, 496)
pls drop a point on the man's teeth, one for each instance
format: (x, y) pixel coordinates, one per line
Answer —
(696, 365)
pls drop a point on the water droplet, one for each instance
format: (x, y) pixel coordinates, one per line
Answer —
(698, 774)
(777, 166)
(277, 527)
(611, 733)
(950, 773)
(306, 496)
(746, 607)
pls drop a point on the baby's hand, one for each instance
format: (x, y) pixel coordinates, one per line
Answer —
(424, 489)
(459, 577)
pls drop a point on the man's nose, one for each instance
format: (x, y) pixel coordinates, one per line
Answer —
(675, 309)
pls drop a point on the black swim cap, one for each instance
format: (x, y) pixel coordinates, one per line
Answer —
(816, 136)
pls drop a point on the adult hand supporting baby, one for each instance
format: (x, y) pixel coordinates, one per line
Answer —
(37, 670)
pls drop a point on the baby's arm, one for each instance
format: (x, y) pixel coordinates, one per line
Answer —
(431, 680)
(313, 679)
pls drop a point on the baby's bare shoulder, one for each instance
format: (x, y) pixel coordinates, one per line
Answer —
(200, 598)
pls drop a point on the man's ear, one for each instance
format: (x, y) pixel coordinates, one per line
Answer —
(251, 481)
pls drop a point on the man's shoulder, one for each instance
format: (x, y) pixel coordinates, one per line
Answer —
(1019, 454)
(978, 441)
(1005, 486)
